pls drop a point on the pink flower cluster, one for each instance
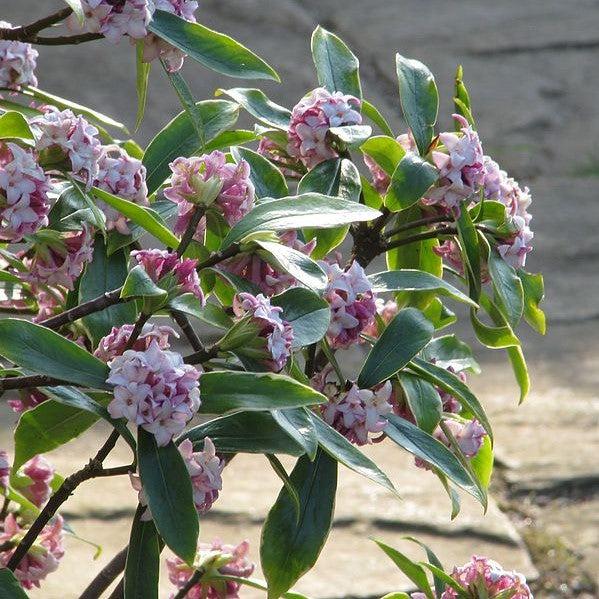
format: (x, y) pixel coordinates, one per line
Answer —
(355, 412)
(387, 311)
(160, 263)
(62, 135)
(352, 302)
(42, 558)
(482, 574)
(115, 343)
(266, 277)
(154, 389)
(230, 560)
(24, 202)
(311, 120)
(273, 151)
(17, 62)
(41, 473)
(123, 176)
(61, 261)
(276, 333)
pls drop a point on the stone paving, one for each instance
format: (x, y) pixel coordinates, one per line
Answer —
(531, 70)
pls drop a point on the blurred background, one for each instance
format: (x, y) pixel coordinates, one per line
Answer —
(531, 68)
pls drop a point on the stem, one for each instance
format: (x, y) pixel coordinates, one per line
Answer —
(24, 32)
(110, 298)
(106, 576)
(196, 217)
(201, 356)
(119, 590)
(137, 329)
(195, 579)
(65, 40)
(181, 319)
(422, 222)
(420, 237)
(91, 470)
(35, 380)
(381, 221)
(217, 257)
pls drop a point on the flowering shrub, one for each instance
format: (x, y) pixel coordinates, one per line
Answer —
(99, 238)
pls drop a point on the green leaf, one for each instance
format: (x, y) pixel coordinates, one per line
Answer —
(77, 9)
(449, 352)
(412, 280)
(482, 463)
(10, 587)
(439, 314)
(259, 106)
(447, 579)
(226, 139)
(439, 584)
(336, 66)
(427, 448)
(470, 250)
(412, 570)
(386, 151)
(534, 292)
(300, 266)
(508, 288)
(39, 349)
(268, 180)
(80, 197)
(143, 559)
(226, 391)
(146, 218)
(461, 98)
(13, 125)
(297, 423)
(371, 112)
(339, 448)
(246, 432)
(214, 50)
(105, 273)
(290, 546)
(168, 490)
(179, 138)
(423, 400)
(139, 284)
(402, 339)
(495, 337)
(452, 384)
(411, 179)
(419, 100)
(295, 212)
(280, 471)
(142, 75)
(352, 135)
(308, 314)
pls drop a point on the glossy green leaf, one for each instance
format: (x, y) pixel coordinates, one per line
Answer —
(290, 546)
(226, 139)
(139, 284)
(168, 490)
(419, 100)
(179, 138)
(386, 151)
(39, 349)
(508, 288)
(423, 400)
(371, 112)
(246, 432)
(280, 471)
(339, 448)
(10, 587)
(13, 125)
(142, 75)
(268, 180)
(449, 352)
(403, 338)
(534, 292)
(336, 66)
(430, 555)
(308, 314)
(496, 337)
(447, 580)
(482, 463)
(212, 49)
(470, 250)
(297, 423)
(461, 98)
(439, 314)
(226, 391)
(259, 106)
(105, 273)
(351, 135)
(90, 212)
(411, 179)
(295, 212)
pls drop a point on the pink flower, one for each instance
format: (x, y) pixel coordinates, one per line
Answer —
(484, 573)
(42, 558)
(160, 263)
(387, 310)
(209, 180)
(217, 558)
(28, 398)
(49, 303)
(273, 151)
(266, 277)
(24, 202)
(205, 469)
(115, 343)
(352, 302)
(311, 120)
(515, 249)
(154, 389)
(41, 473)
(460, 164)
(271, 330)
(61, 260)
(4, 469)
(62, 135)
(17, 63)
(124, 177)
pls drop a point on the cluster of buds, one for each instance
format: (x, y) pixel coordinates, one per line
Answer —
(352, 302)
(41, 473)
(216, 559)
(17, 63)
(116, 342)
(313, 117)
(154, 389)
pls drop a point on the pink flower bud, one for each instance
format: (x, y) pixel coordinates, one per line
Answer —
(4, 469)
(115, 343)
(311, 120)
(41, 473)
(387, 310)
(17, 63)
(154, 389)
(24, 202)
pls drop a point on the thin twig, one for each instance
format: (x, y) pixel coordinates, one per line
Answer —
(34, 380)
(421, 222)
(194, 221)
(106, 576)
(24, 32)
(420, 237)
(195, 579)
(137, 329)
(201, 356)
(119, 590)
(217, 257)
(181, 319)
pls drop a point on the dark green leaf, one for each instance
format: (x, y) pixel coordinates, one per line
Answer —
(280, 471)
(423, 400)
(385, 151)
(402, 339)
(259, 106)
(167, 487)
(266, 177)
(290, 546)
(139, 284)
(410, 181)
(449, 352)
(142, 75)
(297, 422)
(470, 250)
(370, 111)
(214, 50)
(10, 587)
(508, 288)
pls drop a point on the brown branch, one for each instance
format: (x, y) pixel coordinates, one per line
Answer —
(201, 356)
(24, 32)
(137, 329)
(195, 579)
(217, 257)
(119, 590)
(181, 319)
(65, 40)
(106, 576)
(422, 222)
(25, 382)
(192, 225)
(420, 237)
